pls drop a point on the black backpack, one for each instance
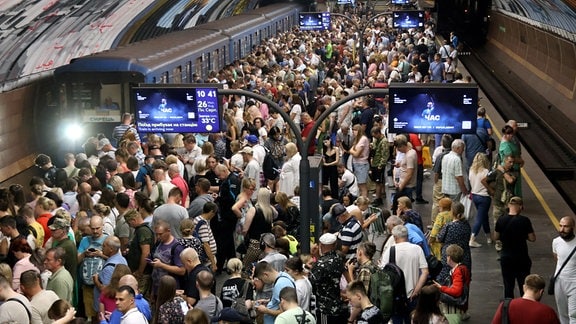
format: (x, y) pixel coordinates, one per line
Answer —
(387, 288)
(269, 167)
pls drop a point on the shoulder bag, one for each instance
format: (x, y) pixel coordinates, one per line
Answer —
(451, 300)
(553, 278)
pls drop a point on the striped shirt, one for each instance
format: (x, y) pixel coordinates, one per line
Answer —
(121, 129)
(205, 233)
(351, 236)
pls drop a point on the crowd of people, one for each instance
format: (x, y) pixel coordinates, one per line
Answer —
(137, 227)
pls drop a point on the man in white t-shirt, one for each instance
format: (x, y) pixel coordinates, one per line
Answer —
(348, 180)
(410, 258)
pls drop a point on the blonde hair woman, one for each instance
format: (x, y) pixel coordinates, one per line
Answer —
(480, 197)
(258, 221)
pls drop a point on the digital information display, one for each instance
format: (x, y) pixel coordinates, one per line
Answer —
(445, 108)
(176, 110)
(400, 2)
(314, 20)
(345, 2)
(408, 19)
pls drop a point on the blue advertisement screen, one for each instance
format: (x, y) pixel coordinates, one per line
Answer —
(176, 110)
(441, 109)
(314, 20)
(408, 19)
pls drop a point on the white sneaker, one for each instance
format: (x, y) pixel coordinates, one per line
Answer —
(474, 244)
(488, 241)
(498, 246)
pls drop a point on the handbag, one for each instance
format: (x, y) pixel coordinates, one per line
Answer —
(553, 278)
(239, 305)
(451, 300)
(467, 202)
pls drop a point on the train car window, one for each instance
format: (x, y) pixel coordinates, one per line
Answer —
(186, 77)
(215, 62)
(208, 62)
(177, 74)
(198, 66)
(236, 50)
(164, 78)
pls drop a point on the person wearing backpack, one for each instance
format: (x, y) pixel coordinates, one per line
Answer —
(165, 256)
(91, 260)
(410, 258)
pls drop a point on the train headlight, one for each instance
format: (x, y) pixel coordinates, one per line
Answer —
(73, 131)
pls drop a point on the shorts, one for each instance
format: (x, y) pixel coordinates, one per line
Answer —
(89, 306)
(361, 172)
(377, 175)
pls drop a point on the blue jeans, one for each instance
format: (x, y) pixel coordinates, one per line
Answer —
(482, 204)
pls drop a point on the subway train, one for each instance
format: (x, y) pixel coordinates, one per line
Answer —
(93, 91)
(470, 18)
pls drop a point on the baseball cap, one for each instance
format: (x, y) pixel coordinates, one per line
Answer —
(105, 142)
(338, 210)
(247, 150)
(252, 139)
(328, 238)
(228, 314)
(516, 201)
(59, 223)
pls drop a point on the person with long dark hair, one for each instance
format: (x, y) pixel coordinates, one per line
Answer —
(428, 310)
(330, 160)
(170, 308)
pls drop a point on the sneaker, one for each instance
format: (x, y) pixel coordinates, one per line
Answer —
(474, 244)
(488, 241)
(498, 246)
(421, 201)
(465, 316)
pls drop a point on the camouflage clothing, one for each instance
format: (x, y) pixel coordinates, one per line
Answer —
(325, 279)
(380, 152)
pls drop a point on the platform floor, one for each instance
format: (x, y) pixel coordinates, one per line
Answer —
(542, 204)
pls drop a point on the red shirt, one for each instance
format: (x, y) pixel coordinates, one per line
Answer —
(415, 143)
(43, 220)
(305, 132)
(179, 182)
(527, 311)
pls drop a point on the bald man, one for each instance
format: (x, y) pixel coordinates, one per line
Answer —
(90, 259)
(141, 304)
(111, 249)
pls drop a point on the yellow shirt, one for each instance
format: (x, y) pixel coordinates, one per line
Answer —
(39, 234)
